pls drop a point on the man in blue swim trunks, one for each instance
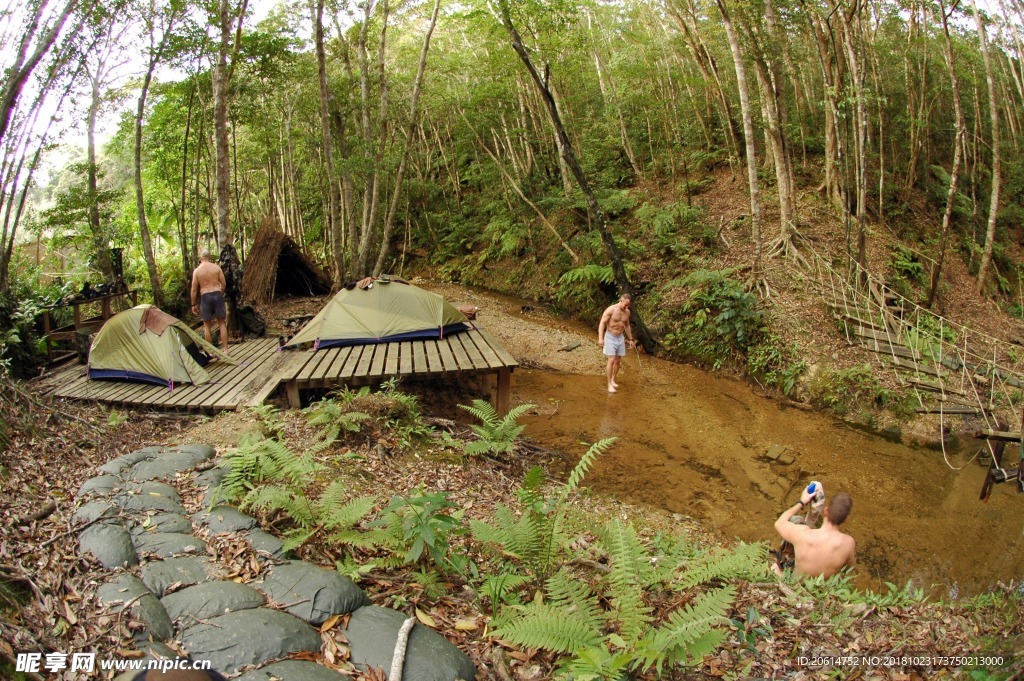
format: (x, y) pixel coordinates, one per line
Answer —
(612, 335)
(209, 283)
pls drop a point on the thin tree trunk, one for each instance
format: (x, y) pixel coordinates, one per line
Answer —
(954, 173)
(993, 104)
(389, 218)
(751, 154)
(569, 156)
(334, 228)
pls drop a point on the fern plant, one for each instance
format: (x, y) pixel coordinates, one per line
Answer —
(604, 627)
(532, 539)
(497, 434)
(258, 460)
(332, 418)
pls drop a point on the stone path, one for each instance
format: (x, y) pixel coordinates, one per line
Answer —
(159, 569)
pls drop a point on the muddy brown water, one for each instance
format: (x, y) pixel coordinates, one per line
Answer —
(695, 443)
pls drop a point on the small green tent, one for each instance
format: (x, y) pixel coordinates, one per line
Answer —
(145, 344)
(385, 311)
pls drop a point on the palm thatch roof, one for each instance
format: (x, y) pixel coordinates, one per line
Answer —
(276, 266)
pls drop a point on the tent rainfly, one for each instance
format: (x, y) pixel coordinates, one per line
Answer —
(147, 345)
(385, 311)
(277, 266)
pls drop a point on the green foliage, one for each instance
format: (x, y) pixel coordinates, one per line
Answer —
(857, 388)
(604, 626)
(19, 345)
(719, 320)
(427, 527)
(533, 538)
(670, 223)
(777, 364)
(497, 435)
(258, 460)
(270, 419)
(908, 270)
(331, 418)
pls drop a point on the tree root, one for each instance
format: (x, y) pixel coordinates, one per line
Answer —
(785, 247)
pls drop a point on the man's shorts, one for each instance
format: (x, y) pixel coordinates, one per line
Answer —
(212, 305)
(615, 345)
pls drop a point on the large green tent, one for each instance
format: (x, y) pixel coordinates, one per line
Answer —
(145, 344)
(384, 311)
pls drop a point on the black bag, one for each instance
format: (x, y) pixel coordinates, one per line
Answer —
(250, 322)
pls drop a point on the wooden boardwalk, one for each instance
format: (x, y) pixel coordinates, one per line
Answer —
(263, 370)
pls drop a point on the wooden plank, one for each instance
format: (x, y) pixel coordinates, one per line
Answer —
(392, 363)
(948, 410)
(921, 367)
(361, 370)
(499, 349)
(469, 346)
(852, 320)
(222, 378)
(1000, 435)
(461, 358)
(886, 349)
(434, 365)
(405, 366)
(864, 332)
(502, 393)
(281, 367)
(330, 356)
(444, 348)
(380, 353)
(489, 355)
(419, 359)
(316, 358)
(966, 403)
(934, 387)
(350, 370)
(235, 386)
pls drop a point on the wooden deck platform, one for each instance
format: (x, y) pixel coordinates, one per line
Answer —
(263, 370)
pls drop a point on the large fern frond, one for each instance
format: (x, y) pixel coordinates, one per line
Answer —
(630, 571)
(335, 512)
(575, 595)
(277, 498)
(586, 463)
(747, 561)
(689, 633)
(548, 627)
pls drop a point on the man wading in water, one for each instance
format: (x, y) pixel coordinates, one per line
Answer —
(612, 335)
(826, 550)
(208, 281)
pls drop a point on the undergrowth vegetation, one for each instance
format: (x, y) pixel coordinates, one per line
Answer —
(598, 597)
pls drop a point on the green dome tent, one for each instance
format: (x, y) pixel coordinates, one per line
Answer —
(145, 344)
(385, 311)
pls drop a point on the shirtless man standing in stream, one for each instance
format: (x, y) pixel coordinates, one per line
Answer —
(612, 335)
(208, 281)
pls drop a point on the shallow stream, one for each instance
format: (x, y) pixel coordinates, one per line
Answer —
(695, 443)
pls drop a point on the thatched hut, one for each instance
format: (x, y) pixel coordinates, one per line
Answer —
(276, 266)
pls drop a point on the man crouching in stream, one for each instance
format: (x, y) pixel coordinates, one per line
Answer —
(823, 551)
(612, 334)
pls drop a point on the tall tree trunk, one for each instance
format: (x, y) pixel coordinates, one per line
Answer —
(954, 173)
(334, 228)
(853, 46)
(155, 55)
(757, 278)
(389, 218)
(101, 246)
(569, 156)
(993, 105)
(186, 261)
(220, 124)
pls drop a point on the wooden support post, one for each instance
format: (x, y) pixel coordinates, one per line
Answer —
(501, 396)
(292, 390)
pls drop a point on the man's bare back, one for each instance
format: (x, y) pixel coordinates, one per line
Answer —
(823, 551)
(209, 277)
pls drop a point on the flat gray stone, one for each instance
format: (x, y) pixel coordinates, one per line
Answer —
(248, 637)
(224, 519)
(101, 485)
(168, 544)
(90, 511)
(154, 487)
(128, 591)
(118, 464)
(161, 575)
(209, 480)
(310, 592)
(110, 543)
(264, 542)
(199, 453)
(292, 670)
(211, 599)
(165, 466)
(163, 522)
(373, 632)
(143, 502)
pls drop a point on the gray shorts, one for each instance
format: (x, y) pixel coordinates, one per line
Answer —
(212, 305)
(615, 345)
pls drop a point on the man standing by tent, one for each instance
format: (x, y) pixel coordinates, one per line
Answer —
(208, 287)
